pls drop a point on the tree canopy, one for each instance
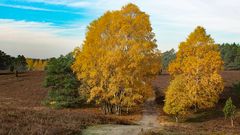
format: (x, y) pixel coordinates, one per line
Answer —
(198, 60)
(118, 58)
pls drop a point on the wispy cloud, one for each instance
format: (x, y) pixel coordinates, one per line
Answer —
(70, 3)
(39, 9)
(27, 7)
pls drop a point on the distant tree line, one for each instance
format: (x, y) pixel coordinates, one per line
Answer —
(20, 63)
(231, 56)
(8, 62)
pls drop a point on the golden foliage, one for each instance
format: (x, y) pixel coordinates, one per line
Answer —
(197, 55)
(199, 61)
(37, 64)
(177, 100)
(29, 63)
(118, 58)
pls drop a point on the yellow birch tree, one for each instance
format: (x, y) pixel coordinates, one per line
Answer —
(199, 61)
(118, 59)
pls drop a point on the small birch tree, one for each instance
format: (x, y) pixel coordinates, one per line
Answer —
(229, 110)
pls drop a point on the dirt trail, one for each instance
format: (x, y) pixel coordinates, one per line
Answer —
(150, 114)
(149, 121)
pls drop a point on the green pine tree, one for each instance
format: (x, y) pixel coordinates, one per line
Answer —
(64, 86)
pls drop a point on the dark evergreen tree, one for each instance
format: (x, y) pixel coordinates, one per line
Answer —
(63, 83)
(5, 61)
(231, 56)
(167, 57)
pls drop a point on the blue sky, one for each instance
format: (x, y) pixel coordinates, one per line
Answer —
(48, 28)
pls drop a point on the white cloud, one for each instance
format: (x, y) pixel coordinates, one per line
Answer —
(37, 40)
(79, 4)
(172, 21)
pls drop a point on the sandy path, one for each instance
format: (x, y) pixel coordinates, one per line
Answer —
(149, 121)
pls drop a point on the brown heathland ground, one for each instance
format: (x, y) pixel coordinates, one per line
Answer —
(21, 111)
